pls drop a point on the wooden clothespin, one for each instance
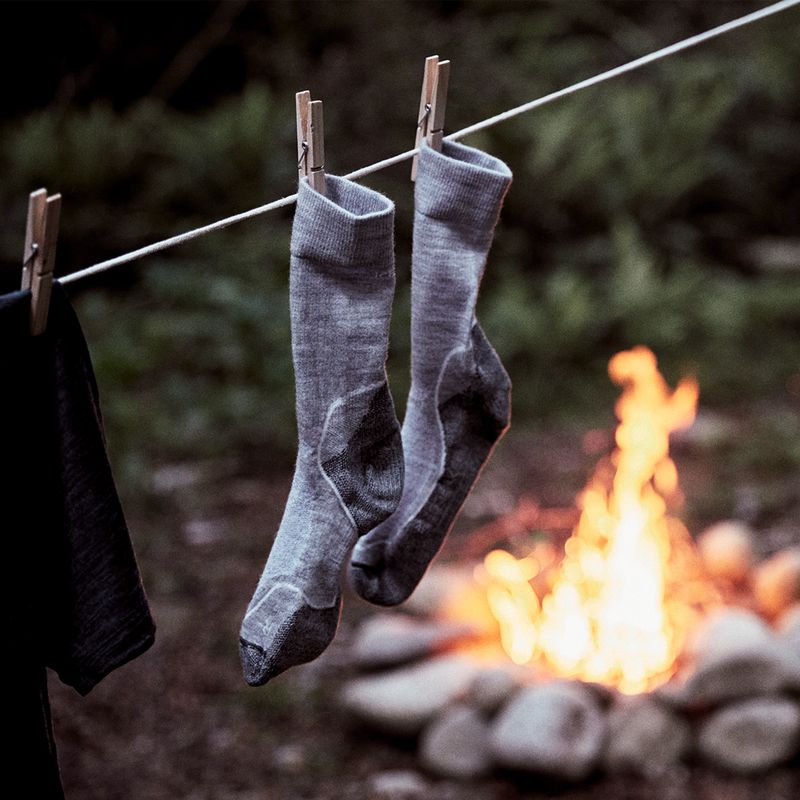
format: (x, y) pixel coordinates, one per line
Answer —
(310, 140)
(41, 235)
(432, 105)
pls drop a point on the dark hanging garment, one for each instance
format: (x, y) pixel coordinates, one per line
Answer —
(72, 597)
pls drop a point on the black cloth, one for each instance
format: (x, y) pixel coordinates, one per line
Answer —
(72, 597)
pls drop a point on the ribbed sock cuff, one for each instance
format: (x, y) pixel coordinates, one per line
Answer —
(461, 185)
(350, 225)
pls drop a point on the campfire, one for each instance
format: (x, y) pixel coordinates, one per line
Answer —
(621, 645)
(618, 608)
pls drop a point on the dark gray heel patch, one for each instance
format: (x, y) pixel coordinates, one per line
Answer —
(492, 383)
(367, 469)
(473, 420)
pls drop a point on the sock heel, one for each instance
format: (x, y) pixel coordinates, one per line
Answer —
(474, 415)
(493, 383)
(366, 468)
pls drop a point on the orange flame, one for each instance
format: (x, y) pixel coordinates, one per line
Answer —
(618, 607)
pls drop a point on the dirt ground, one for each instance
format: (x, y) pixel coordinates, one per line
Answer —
(179, 722)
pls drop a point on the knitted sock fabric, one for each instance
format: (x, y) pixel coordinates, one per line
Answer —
(459, 404)
(349, 470)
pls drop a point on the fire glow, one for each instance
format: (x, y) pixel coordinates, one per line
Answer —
(618, 607)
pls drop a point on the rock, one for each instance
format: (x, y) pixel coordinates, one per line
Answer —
(401, 702)
(491, 688)
(556, 729)
(440, 583)
(776, 582)
(744, 675)
(645, 737)
(727, 550)
(789, 629)
(751, 736)
(385, 640)
(605, 695)
(456, 745)
(726, 630)
(790, 619)
(736, 655)
(397, 785)
(289, 758)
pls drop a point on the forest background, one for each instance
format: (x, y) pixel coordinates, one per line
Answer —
(660, 208)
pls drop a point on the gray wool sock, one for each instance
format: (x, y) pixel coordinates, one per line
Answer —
(349, 470)
(459, 404)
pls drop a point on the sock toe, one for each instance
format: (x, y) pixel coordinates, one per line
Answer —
(255, 664)
(376, 584)
(301, 636)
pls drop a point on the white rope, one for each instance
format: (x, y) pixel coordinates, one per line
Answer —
(181, 238)
(631, 65)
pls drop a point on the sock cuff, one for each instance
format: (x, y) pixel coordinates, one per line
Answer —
(350, 225)
(461, 185)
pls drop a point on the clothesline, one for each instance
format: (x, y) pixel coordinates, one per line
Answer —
(677, 47)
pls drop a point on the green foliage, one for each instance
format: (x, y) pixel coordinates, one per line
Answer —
(629, 220)
(556, 331)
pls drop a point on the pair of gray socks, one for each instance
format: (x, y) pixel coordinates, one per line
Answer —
(357, 480)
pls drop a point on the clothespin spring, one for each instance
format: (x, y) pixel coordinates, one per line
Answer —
(38, 260)
(310, 140)
(432, 104)
(424, 118)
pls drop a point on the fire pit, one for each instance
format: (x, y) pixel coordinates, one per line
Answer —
(623, 645)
